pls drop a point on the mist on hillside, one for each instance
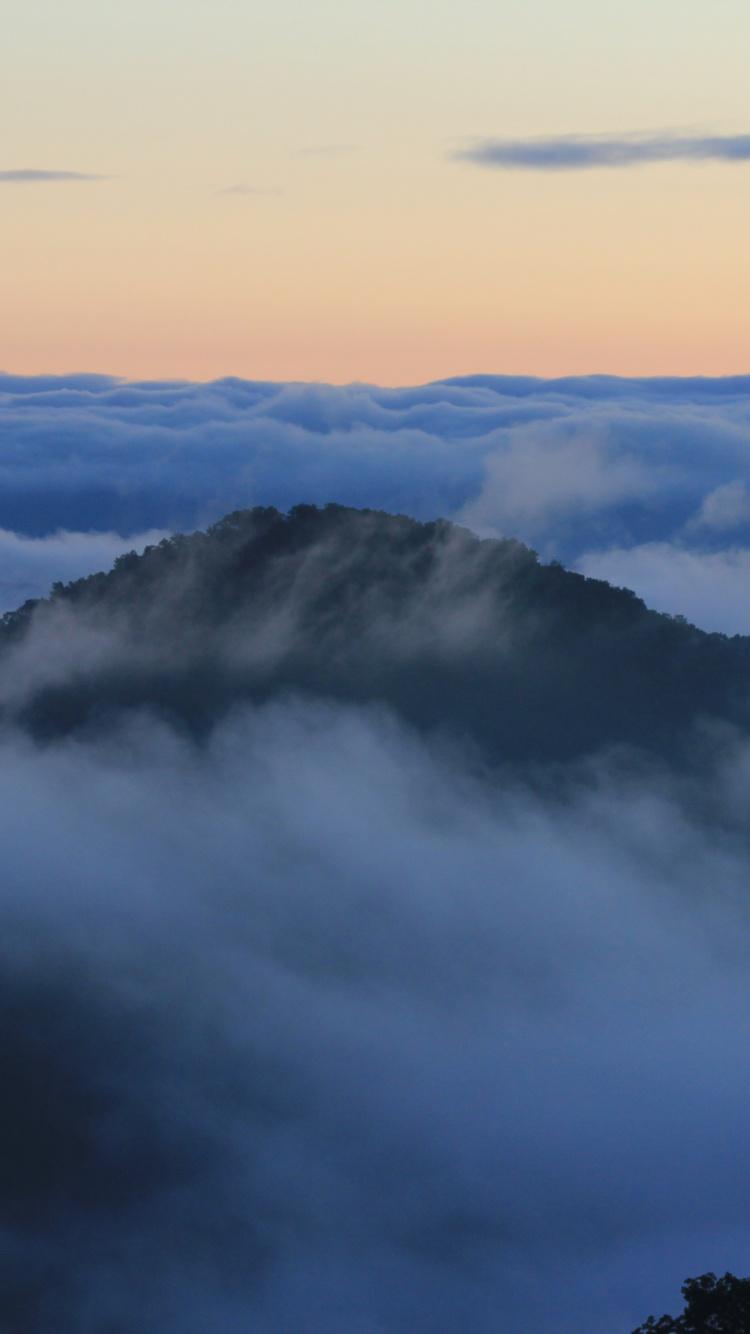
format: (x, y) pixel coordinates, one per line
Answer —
(333, 1005)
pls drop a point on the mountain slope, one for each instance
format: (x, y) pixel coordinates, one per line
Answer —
(477, 637)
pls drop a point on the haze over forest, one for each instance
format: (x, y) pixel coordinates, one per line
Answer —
(374, 666)
(375, 948)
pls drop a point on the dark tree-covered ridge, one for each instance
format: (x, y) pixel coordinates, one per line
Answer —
(712, 1306)
(477, 637)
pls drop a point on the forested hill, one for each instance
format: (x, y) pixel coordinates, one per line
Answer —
(478, 638)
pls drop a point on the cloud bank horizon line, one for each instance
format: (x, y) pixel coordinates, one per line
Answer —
(642, 482)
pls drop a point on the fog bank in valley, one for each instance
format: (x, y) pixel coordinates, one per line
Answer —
(333, 1005)
(337, 1034)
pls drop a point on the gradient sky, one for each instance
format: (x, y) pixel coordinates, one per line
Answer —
(281, 198)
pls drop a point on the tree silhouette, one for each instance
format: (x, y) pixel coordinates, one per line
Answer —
(712, 1306)
(457, 635)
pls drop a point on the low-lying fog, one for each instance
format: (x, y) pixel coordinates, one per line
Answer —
(314, 1029)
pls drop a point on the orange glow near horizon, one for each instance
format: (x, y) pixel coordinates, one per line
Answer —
(278, 201)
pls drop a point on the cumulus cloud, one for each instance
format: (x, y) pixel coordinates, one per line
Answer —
(30, 175)
(342, 1036)
(570, 466)
(573, 152)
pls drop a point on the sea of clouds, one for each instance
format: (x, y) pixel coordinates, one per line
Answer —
(318, 1026)
(316, 1030)
(643, 482)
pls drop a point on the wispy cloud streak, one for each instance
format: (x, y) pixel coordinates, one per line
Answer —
(30, 175)
(572, 152)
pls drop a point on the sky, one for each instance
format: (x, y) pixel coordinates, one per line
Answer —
(369, 190)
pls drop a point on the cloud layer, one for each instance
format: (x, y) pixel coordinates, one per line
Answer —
(323, 1025)
(572, 467)
(574, 152)
(343, 1037)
